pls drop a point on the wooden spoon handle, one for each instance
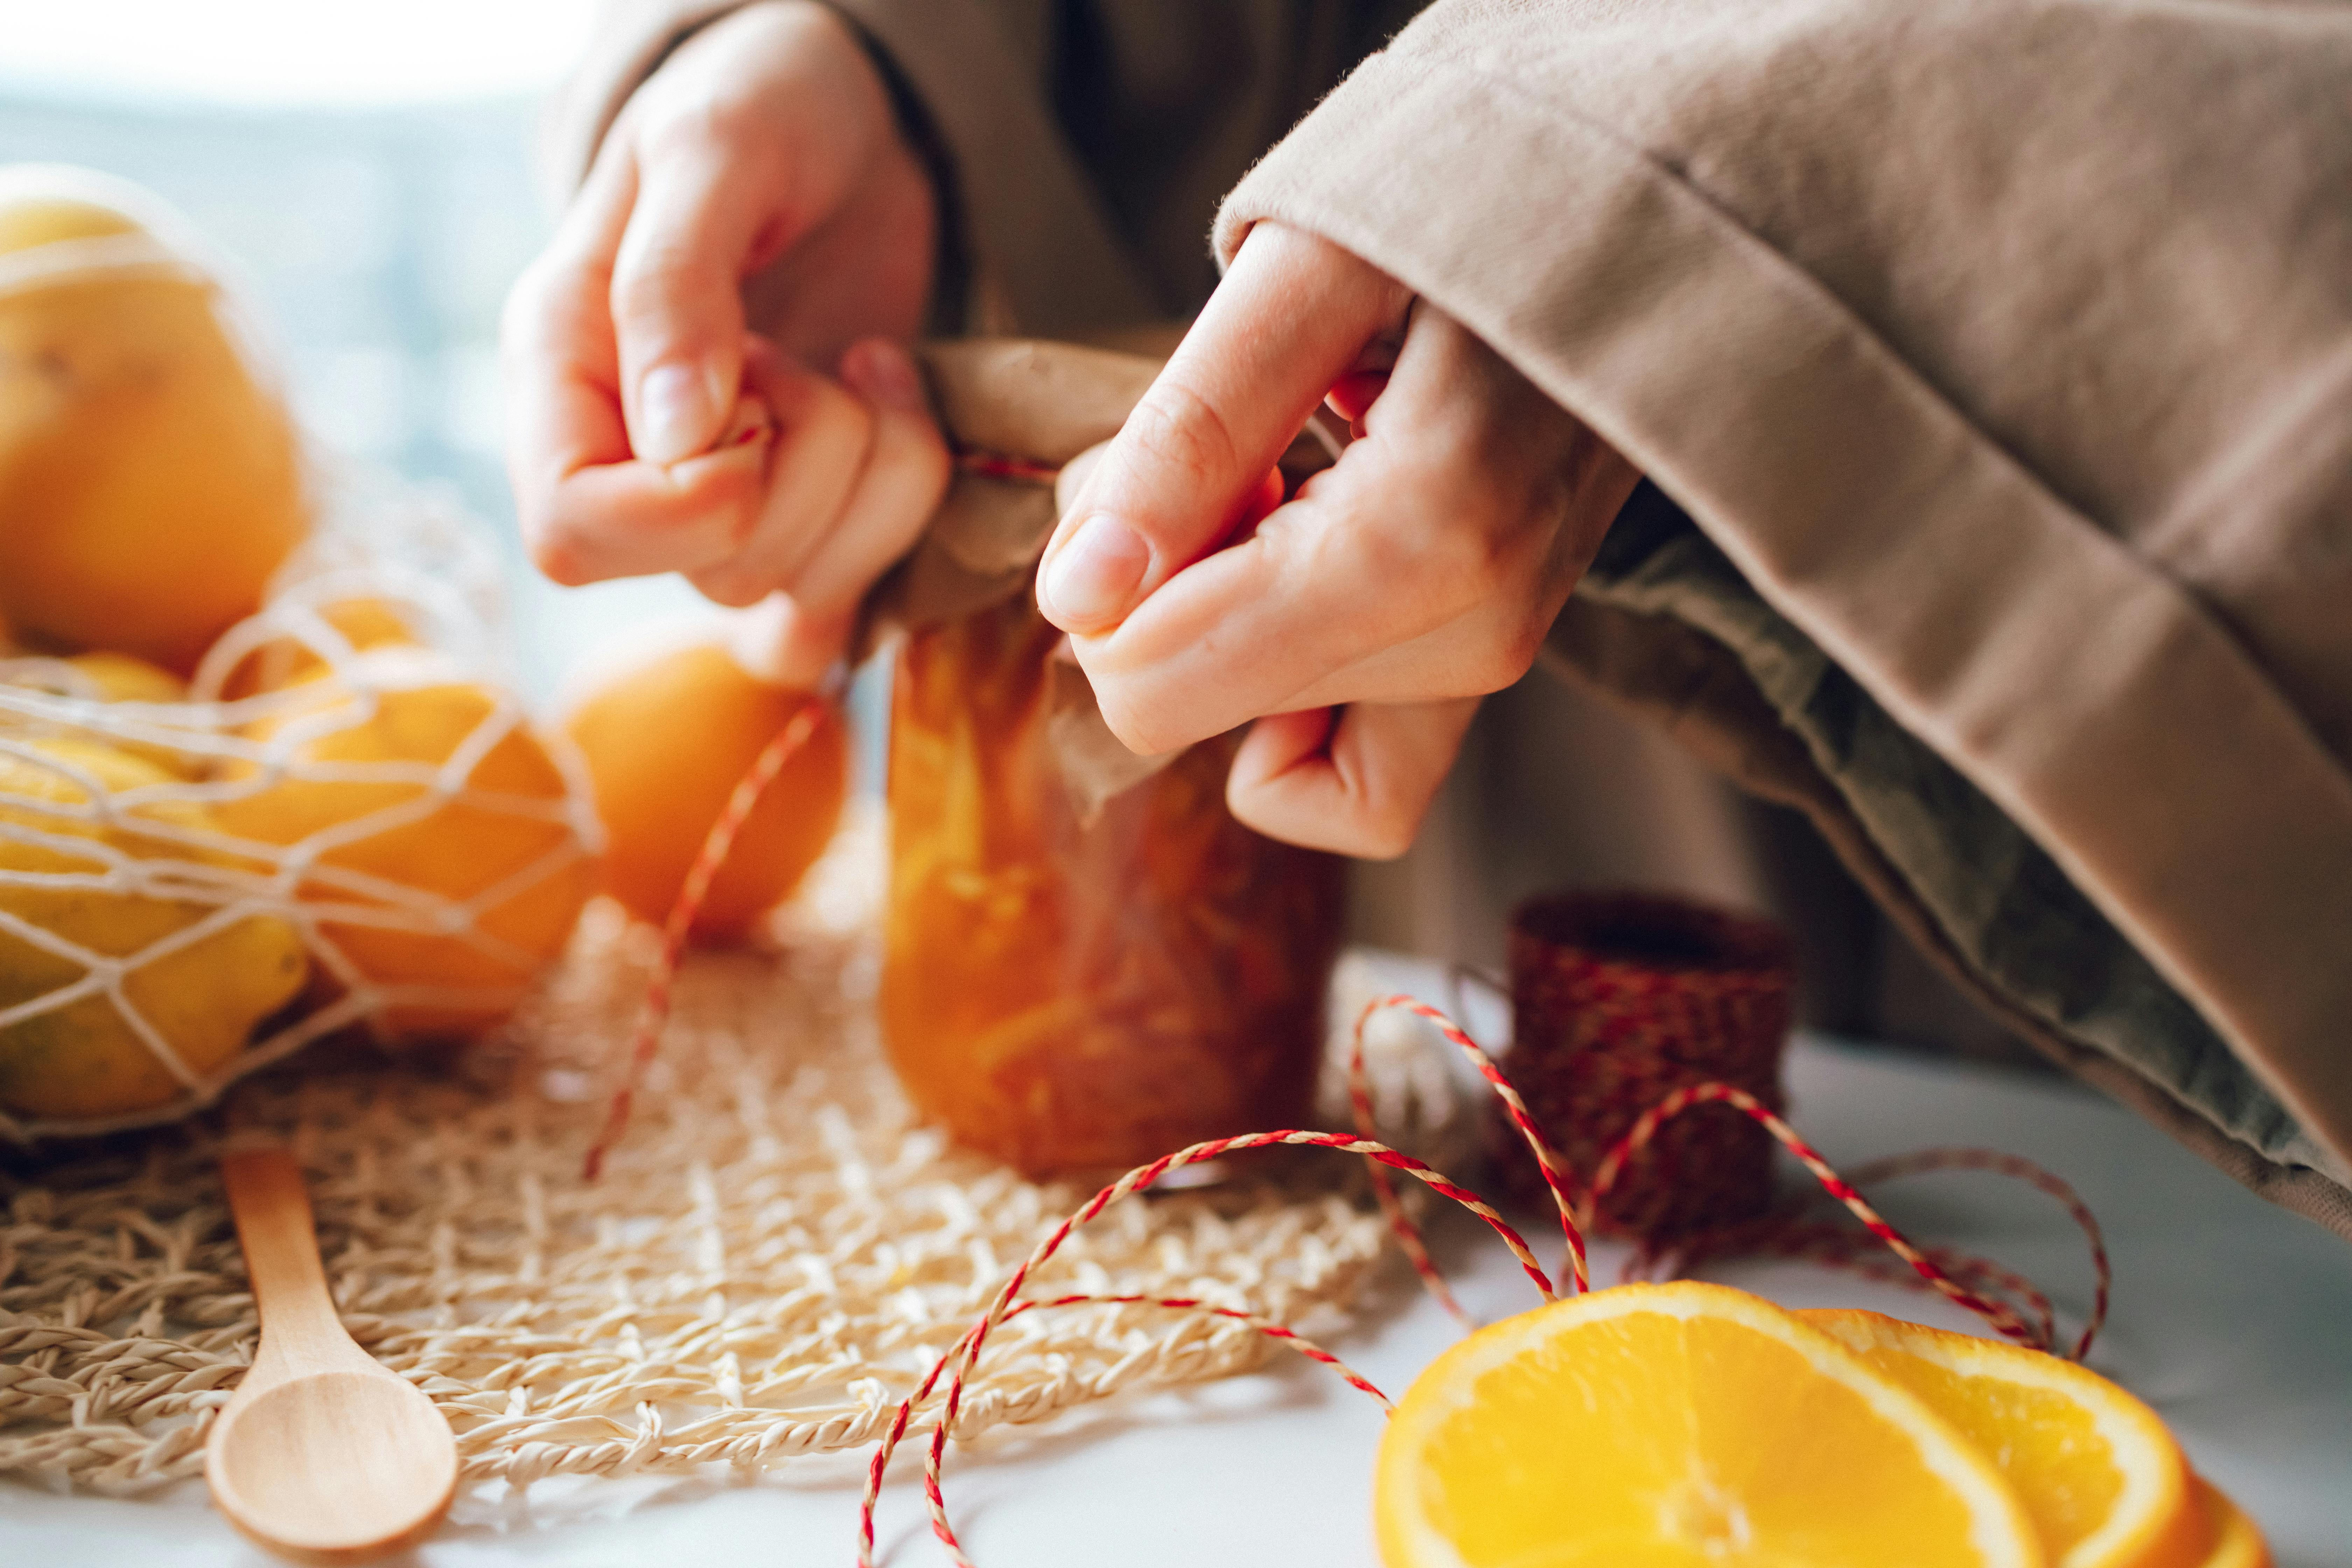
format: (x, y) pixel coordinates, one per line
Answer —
(272, 1208)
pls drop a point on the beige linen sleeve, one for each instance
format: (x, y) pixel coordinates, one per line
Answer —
(1044, 250)
(2001, 350)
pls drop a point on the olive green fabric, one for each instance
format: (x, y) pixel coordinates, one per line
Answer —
(2000, 901)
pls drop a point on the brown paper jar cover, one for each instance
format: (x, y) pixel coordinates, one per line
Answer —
(1618, 999)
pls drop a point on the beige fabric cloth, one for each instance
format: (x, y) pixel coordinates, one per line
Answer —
(2000, 344)
(1091, 141)
(2019, 390)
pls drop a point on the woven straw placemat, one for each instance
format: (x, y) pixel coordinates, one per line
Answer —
(775, 1255)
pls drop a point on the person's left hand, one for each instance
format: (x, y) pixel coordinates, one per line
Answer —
(1359, 623)
(705, 371)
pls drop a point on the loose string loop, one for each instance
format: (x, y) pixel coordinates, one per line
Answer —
(957, 1362)
(1787, 1232)
(1558, 1178)
(1950, 1273)
(715, 847)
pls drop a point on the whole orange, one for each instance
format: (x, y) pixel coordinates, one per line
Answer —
(447, 886)
(665, 743)
(151, 483)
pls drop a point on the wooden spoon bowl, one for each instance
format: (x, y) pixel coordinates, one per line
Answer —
(322, 1455)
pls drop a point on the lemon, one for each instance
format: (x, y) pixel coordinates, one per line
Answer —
(119, 677)
(108, 677)
(87, 1058)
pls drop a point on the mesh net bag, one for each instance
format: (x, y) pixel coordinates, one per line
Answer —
(377, 838)
(343, 818)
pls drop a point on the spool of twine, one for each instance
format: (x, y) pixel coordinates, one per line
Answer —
(1618, 999)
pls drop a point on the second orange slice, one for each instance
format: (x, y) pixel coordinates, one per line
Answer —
(2104, 1480)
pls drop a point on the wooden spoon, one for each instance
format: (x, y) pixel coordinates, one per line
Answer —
(322, 1454)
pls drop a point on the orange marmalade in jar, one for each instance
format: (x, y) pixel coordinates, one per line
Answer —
(1067, 994)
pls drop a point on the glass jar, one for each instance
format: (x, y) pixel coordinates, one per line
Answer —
(1069, 995)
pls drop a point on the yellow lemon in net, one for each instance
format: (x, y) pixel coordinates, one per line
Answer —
(200, 995)
(2106, 1484)
(122, 677)
(106, 677)
(1684, 1425)
(441, 850)
(665, 744)
(364, 622)
(150, 482)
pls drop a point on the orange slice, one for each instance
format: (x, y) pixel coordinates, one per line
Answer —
(1680, 1425)
(2236, 1543)
(2099, 1474)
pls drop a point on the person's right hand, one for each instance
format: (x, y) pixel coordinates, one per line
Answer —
(754, 211)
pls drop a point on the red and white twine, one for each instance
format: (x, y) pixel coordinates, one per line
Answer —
(1974, 1284)
(715, 846)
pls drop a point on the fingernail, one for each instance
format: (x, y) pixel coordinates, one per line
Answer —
(1092, 579)
(885, 372)
(675, 412)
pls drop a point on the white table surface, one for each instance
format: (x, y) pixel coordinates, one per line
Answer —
(2232, 1318)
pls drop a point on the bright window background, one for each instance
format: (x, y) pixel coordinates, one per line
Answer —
(371, 165)
(280, 54)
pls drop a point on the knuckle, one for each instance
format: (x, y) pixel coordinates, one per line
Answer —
(1386, 817)
(1259, 808)
(1468, 563)
(1471, 561)
(842, 416)
(1174, 427)
(682, 123)
(928, 467)
(651, 280)
(1500, 657)
(1501, 664)
(729, 585)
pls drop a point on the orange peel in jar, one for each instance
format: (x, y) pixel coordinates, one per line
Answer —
(1066, 995)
